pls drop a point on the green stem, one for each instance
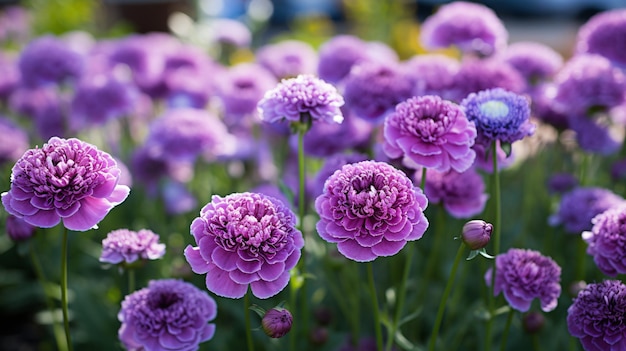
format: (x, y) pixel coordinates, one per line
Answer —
(246, 314)
(496, 241)
(507, 327)
(293, 296)
(56, 327)
(131, 279)
(377, 325)
(535, 340)
(444, 298)
(582, 253)
(64, 304)
(423, 180)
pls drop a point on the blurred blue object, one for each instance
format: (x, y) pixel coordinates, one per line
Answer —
(287, 10)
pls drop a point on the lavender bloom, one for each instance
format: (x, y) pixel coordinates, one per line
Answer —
(48, 60)
(185, 133)
(473, 28)
(607, 240)
(618, 170)
(603, 34)
(245, 239)
(589, 82)
(370, 209)
(331, 165)
(477, 75)
(168, 314)
(523, 275)
(579, 206)
(304, 94)
(287, 59)
(560, 183)
(18, 229)
(432, 74)
(178, 199)
(276, 322)
(373, 89)
(545, 109)
(67, 180)
(499, 115)
(9, 75)
(476, 234)
(430, 132)
(123, 245)
(594, 136)
(44, 105)
(596, 317)
(14, 141)
(461, 194)
(535, 61)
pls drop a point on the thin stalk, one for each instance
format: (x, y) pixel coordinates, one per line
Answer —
(64, 304)
(246, 314)
(444, 298)
(496, 241)
(293, 296)
(535, 340)
(56, 327)
(131, 279)
(507, 327)
(377, 325)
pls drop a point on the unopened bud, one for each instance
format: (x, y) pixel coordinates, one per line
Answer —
(533, 321)
(476, 234)
(277, 322)
(18, 230)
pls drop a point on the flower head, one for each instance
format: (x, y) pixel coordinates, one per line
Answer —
(478, 75)
(603, 34)
(432, 74)
(533, 322)
(523, 275)
(535, 61)
(167, 315)
(499, 115)
(48, 60)
(68, 180)
(245, 239)
(123, 245)
(14, 141)
(580, 205)
(276, 322)
(18, 230)
(473, 28)
(560, 183)
(370, 209)
(596, 317)
(430, 132)
(476, 234)
(303, 94)
(607, 240)
(287, 59)
(331, 165)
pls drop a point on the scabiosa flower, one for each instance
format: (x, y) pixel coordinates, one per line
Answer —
(372, 89)
(276, 322)
(288, 58)
(370, 209)
(65, 179)
(499, 115)
(14, 141)
(432, 74)
(461, 194)
(304, 94)
(168, 314)
(596, 317)
(430, 132)
(523, 275)
(48, 60)
(535, 61)
(18, 229)
(476, 234)
(579, 206)
(603, 34)
(473, 28)
(123, 245)
(245, 239)
(607, 241)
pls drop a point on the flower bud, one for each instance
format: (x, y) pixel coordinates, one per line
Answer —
(476, 234)
(277, 322)
(533, 321)
(18, 230)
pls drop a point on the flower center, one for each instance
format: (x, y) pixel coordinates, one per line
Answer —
(494, 109)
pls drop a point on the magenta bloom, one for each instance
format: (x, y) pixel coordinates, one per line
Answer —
(370, 209)
(476, 234)
(461, 194)
(128, 246)
(596, 317)
(580, 205)
(245, 239)
(333, 163)
(523, 275)
(604, 35)
(287, 59)
(68, 180)
(304, 94)
(473, 28)
(277, 322)
(430, 132)
(607, 241)
(167, 315)
(338, 55)
(325, 139)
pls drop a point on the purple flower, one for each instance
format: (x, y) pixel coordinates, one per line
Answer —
(476, 234)
(523, 275)
(535, 61)
(14, 141)
(618, 170)
(18, 229)
(477, 75)
(304, 94)
(603, 34)
(473, 28)
(245, 239)
(123, 245)
(287, 59)
(9, 74)
(432, 74)
(607, 240)
(370, 209)
(533, 322)
(560, 183)
(167, 315)
(595, 135)
(545, 109)
(67, 180)
(48, 60)
(578, 207)
(185, 133)
(430, 132)
(499, 115)
(596, 317)
(331, 165)
(45, 105)
(373, 89)
(276, 322)
(231, 32)
(484, 157)
(178, 199)
(461, 194)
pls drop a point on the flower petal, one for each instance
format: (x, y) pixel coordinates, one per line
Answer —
(265, 289)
